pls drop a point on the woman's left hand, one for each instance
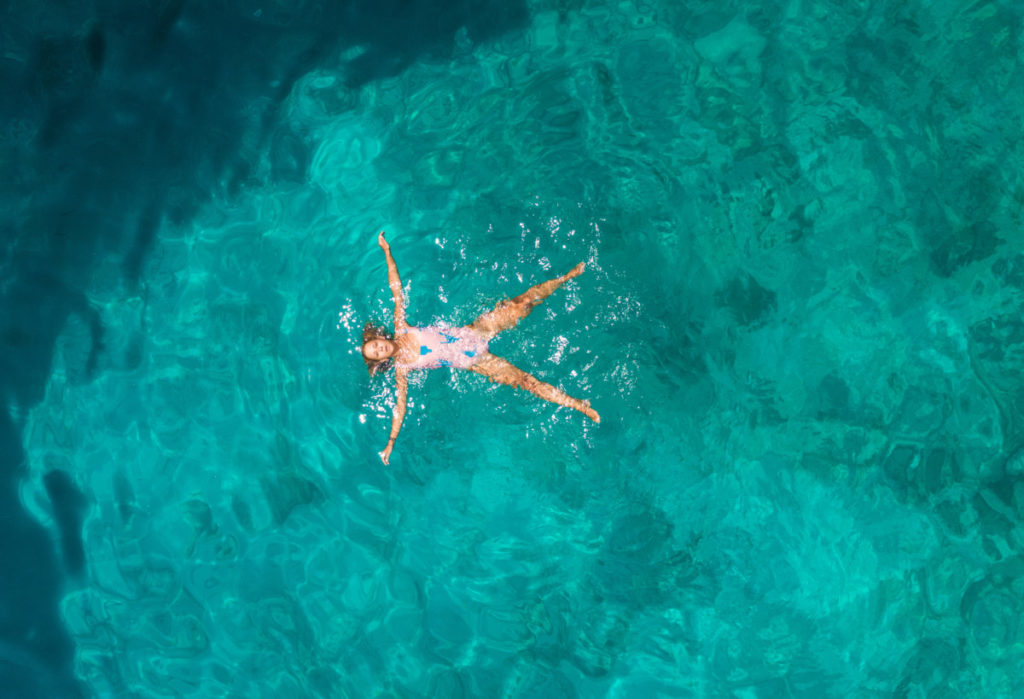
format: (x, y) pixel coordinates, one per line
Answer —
(381, 242)
(386, 454)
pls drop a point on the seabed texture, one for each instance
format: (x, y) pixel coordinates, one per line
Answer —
(801, 322)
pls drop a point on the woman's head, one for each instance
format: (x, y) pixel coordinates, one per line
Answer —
(378, 348)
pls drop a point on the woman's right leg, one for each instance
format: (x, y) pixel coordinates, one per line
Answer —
(510, 311)
(501, 370)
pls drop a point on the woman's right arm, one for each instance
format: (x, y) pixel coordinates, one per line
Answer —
(402, 386)
(394, 283)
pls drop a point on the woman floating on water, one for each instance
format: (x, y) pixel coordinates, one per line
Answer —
(463, 348)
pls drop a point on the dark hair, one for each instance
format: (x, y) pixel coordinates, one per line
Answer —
(375, 332)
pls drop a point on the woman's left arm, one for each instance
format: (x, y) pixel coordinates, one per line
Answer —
(394, 283)
(402, 391)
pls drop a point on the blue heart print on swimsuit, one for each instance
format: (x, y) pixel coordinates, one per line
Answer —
(442, 346)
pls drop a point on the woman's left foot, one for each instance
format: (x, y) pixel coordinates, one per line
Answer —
(576, 271)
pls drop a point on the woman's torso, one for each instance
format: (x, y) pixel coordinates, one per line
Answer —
(440, 345)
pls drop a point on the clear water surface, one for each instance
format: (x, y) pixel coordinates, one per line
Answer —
(800, 322)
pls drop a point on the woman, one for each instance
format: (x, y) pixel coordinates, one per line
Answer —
(463, 348)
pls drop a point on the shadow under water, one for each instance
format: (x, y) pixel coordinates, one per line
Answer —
(120, 116)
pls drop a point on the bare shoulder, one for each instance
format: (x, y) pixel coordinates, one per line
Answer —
(408, 343)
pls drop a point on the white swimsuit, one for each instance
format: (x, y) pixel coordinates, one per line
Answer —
(440, 345)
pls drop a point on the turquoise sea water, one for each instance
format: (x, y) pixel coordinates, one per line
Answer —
(800, 322)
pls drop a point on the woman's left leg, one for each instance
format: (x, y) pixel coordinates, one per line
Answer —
(510, 311)
(501, 370)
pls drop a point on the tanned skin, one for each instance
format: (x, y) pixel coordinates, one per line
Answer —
(405, 347)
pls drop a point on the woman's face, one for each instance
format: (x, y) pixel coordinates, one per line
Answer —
(378, 349)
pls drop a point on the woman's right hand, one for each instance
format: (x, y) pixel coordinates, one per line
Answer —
(381, 242)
